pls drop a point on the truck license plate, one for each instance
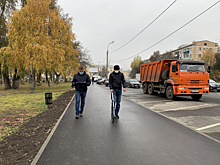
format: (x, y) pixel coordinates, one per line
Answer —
(195, 91)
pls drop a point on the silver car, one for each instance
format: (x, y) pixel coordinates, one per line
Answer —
(133, 83)
(213, 85)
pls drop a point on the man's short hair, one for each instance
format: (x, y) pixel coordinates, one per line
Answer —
(81, 67)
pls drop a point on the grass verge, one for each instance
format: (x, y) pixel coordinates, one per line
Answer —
(17, 106)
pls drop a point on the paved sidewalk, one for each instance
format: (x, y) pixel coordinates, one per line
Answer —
(140, 136)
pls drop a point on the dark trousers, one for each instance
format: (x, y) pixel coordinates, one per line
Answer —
(117, 97)
(80, 96)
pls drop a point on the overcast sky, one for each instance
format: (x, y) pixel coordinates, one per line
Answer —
(98, 22)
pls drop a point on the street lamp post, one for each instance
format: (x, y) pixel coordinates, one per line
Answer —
(209, 57)
(107, 59)
(209, 60)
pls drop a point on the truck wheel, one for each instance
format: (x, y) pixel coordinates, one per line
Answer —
(169, 92)
(150, 89)
(145, 88)
(196, 97)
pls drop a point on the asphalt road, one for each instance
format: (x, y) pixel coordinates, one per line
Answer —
(202, 116)
(140, 136)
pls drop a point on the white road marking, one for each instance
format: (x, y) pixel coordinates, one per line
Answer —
(146, 102)
(209, 126)
(191, 107)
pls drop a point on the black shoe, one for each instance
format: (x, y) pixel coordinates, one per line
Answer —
(77, 116)
(116, 116)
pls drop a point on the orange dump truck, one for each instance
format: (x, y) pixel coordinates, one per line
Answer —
(175, 77)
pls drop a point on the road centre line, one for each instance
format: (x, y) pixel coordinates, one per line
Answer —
(184, 108)
(209, 126)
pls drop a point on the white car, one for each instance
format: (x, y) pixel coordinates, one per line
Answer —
(96, 78)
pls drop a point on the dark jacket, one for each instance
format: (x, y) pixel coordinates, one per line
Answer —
(116, 80)
(81, 82)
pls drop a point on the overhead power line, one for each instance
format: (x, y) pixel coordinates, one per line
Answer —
(172, 32)
(144, 28)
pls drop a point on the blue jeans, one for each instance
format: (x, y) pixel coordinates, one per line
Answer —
(80, 96)
(117, 97)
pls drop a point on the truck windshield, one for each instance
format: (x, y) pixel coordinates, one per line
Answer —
(192, 68)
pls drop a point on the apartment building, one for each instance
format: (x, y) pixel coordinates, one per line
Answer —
(195, 50)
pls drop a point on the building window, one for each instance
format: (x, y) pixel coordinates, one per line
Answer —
(190, 56)
(185, 56)
(205, 44)
(199, 55)
(200, 48)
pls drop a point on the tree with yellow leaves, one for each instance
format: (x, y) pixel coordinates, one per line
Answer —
(135, 66)
(39, 39)
(209, 56)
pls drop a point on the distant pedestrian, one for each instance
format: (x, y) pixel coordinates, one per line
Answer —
(93, 79)
(116, 82)
(80, 80)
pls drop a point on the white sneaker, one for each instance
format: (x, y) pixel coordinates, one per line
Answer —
(81, 115)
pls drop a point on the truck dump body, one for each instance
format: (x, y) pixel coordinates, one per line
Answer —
(152, 72)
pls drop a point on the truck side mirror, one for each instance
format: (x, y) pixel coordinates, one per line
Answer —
(209, 69)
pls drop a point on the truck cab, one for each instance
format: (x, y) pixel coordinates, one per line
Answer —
(189, 77)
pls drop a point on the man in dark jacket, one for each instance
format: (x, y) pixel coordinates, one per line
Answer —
(116, 81)
(80, 80)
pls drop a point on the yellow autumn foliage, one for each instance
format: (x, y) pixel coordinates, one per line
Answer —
(136, 62)
(205, 57)
(40, 38)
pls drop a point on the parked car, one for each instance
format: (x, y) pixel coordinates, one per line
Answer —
(106, 82)
(213, 85)
(132, 83)
(96, 78)
(101, 81)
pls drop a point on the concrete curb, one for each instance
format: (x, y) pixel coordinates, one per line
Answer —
(36, 158)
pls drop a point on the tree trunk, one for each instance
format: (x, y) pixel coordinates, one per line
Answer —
(51, 77)
(34, 78)
(6, 81)
(39, 77)
(1, 79)
(65, 79)
(31, 80)
(47, 80)
(57, 78)
(15, 80)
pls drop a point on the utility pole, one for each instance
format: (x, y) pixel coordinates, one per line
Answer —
(107, 60)
(209, 57)
(209, 62)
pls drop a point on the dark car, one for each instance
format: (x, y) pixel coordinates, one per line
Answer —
(132, 83)
(106, 82)
(213, 85)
